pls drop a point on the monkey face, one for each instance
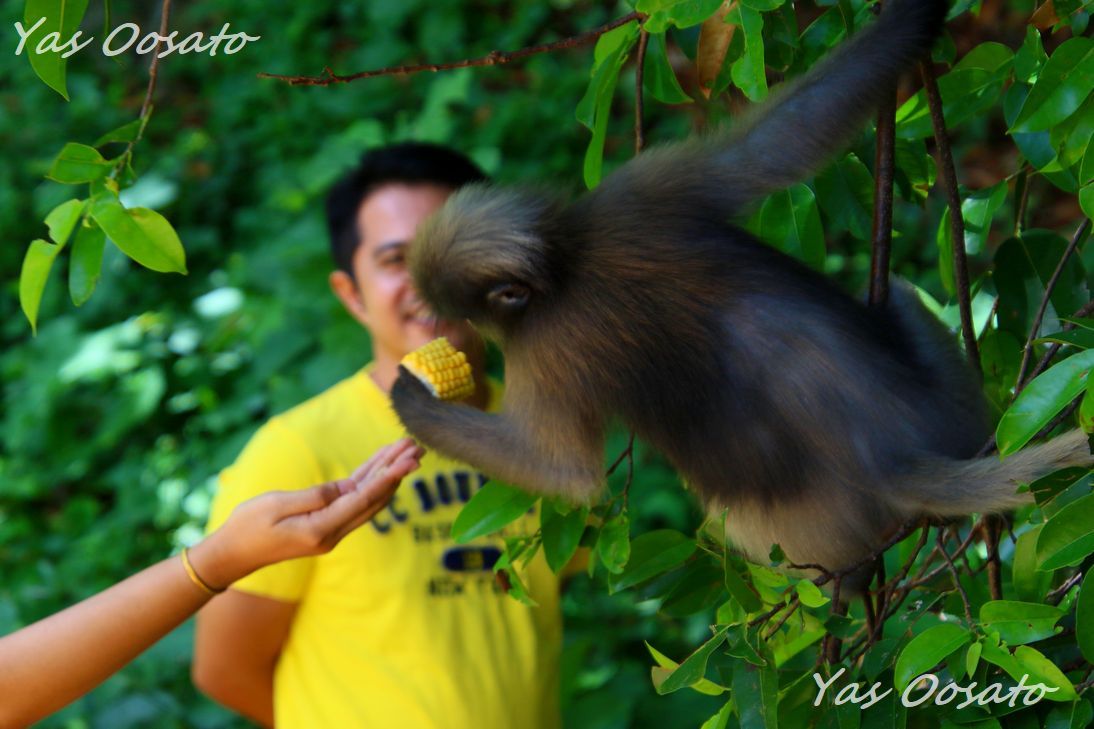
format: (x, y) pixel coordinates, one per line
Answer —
(481, 258)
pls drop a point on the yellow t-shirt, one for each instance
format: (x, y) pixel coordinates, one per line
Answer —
(398, 626)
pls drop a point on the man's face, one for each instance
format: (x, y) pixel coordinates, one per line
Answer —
(388, 305)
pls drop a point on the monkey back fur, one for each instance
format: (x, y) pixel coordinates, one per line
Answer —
(818, 423)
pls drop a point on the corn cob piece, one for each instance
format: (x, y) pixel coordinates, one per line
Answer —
(441, 368)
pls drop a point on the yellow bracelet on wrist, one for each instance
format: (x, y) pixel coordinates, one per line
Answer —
(195, 577)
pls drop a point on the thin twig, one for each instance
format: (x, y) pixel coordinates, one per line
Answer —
(991, 529)
(791, 608)
(640, 60)
(1022, 186)
(922, 579)
(149, 92)
(1080, 234)
(829, 575)
(1057, 595)
(948, 176)
(956, 580)
(493, 58)
(629, 450)
(883, 203)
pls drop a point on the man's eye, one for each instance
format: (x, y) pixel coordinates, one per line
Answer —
(393, 261)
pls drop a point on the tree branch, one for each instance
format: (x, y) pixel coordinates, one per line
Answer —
(883, 203)
(640, 60)
(948, 176)
(493, 58)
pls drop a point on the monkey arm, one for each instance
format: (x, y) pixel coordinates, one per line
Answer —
(539, 448)
(800, 128)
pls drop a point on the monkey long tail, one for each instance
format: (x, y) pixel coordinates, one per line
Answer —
(805, 123)
(988, 485)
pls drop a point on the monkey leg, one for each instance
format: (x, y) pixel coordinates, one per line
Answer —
(543, 450)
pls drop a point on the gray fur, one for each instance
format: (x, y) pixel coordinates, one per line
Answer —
(819, 424)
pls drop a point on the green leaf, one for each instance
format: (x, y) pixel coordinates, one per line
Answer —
(668, 666)
(1081, 338)
(749, 71)
(738, 588)
(613, 546)
(123, 134)
(845, 191)
(973, 86)
(1042, 670)
(1031, 57)
(680, 13)
(1068, 537)
(1078, 715)
(998, 655)
(927, 650)
(142, 234)
(880, 657)
(495, 505)
(652, 554)
(1020, 622)
(1023, 266)
(1086, 408)
(694, 666)
(85, 263)
(1030, 584)
(659, 79)
(1048, 394)
(978, 209)
(561, 533)
(594, 109)
(515, 586)
(756, 695)
(1084, 618)
(1086, 199)
(698, 587)
(62, 219)
(972, 658)
(810, 595)
(721, 719)
(1066, 81)
(62, 17)
(1071, 138)
(32, 279)
(790, 221)
(78, 163)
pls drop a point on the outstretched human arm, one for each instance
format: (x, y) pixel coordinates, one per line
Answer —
(48, 664)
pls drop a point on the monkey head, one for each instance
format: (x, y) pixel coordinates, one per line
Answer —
(484, 257)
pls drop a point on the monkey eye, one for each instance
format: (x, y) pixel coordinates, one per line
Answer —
(509, 296)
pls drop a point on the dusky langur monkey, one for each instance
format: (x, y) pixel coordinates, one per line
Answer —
(818, 423)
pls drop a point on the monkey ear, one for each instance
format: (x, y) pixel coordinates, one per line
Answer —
(509, 297)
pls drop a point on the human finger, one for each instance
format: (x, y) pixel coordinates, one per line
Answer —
(383, 458)
(369, 500)
(288, 503)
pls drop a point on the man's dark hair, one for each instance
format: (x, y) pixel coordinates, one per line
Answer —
(407, 163)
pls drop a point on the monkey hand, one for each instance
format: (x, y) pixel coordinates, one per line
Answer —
(415, 405)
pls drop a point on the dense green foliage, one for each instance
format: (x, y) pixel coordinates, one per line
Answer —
(118, 414)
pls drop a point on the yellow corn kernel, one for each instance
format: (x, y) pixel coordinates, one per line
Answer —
(441, 368)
